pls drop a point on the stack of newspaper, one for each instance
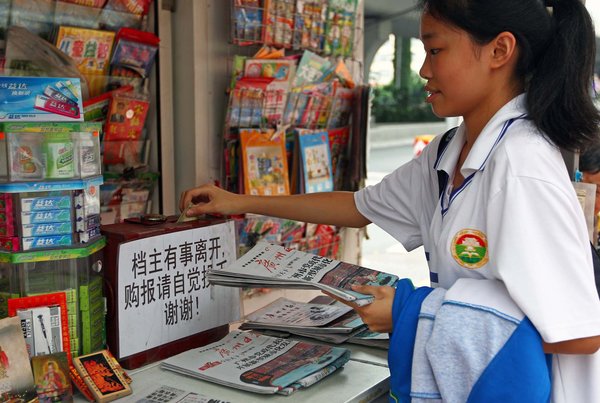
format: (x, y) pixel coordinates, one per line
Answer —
(330, 323)
(268, 265)
(371, 339)
(259, 363)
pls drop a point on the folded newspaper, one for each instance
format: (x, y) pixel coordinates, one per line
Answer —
(330, 323)
(258, 363)
(268, 265)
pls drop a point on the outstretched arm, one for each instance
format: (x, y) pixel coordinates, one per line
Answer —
(334, 208)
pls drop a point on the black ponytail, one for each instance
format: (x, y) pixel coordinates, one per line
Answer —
(556, 58)
(559, 93)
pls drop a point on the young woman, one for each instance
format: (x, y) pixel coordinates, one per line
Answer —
(519, 72)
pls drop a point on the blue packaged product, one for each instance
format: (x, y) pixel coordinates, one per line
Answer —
(39, 99)
(46, 229)
(41, 217)
(40, 242)
(45, 203)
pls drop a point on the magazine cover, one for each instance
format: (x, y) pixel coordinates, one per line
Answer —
(268, 265)
(16, 377)
(264, 162)
(279, 22)
(91, 50)
(338, 146)
(247, 22)
(339, 30)
(281, 71)
(258, 363)
(316, 161)
(341, 107)
(310, 69)
(246, 102)
(309, 24)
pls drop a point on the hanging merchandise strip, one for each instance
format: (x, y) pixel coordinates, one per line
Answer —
(323, 26)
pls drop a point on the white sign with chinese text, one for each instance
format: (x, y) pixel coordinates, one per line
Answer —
(163, 292)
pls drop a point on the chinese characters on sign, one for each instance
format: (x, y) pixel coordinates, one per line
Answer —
(163, 286)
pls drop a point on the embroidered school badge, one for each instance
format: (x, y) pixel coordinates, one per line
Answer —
(469, 248)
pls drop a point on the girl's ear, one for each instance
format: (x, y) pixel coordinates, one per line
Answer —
(503, 49)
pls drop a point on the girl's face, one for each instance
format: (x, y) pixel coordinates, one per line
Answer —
(455, 69)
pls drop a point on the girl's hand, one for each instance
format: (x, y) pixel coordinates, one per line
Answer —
(210, 199)
(378, 314)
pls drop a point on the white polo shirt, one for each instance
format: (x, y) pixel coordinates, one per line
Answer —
(515, 218)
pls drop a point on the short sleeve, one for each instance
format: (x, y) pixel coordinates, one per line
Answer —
(402, 204)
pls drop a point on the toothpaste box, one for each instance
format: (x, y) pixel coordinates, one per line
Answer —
(53, 228)
(47, 216)
(40, 99)
(39, 242)
(45, 203)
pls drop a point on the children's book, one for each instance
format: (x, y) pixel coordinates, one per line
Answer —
(247, 17)
(16, 377)
(310, 69)
(309, 24)
(315, 112)
(281, 71)
(339, 30)
(339, 72)
(316, 161)
(264, 162)
(237, 70)
(91, 50)
(279, 22)
(52, 380)
(246, 102)
(126, 118)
